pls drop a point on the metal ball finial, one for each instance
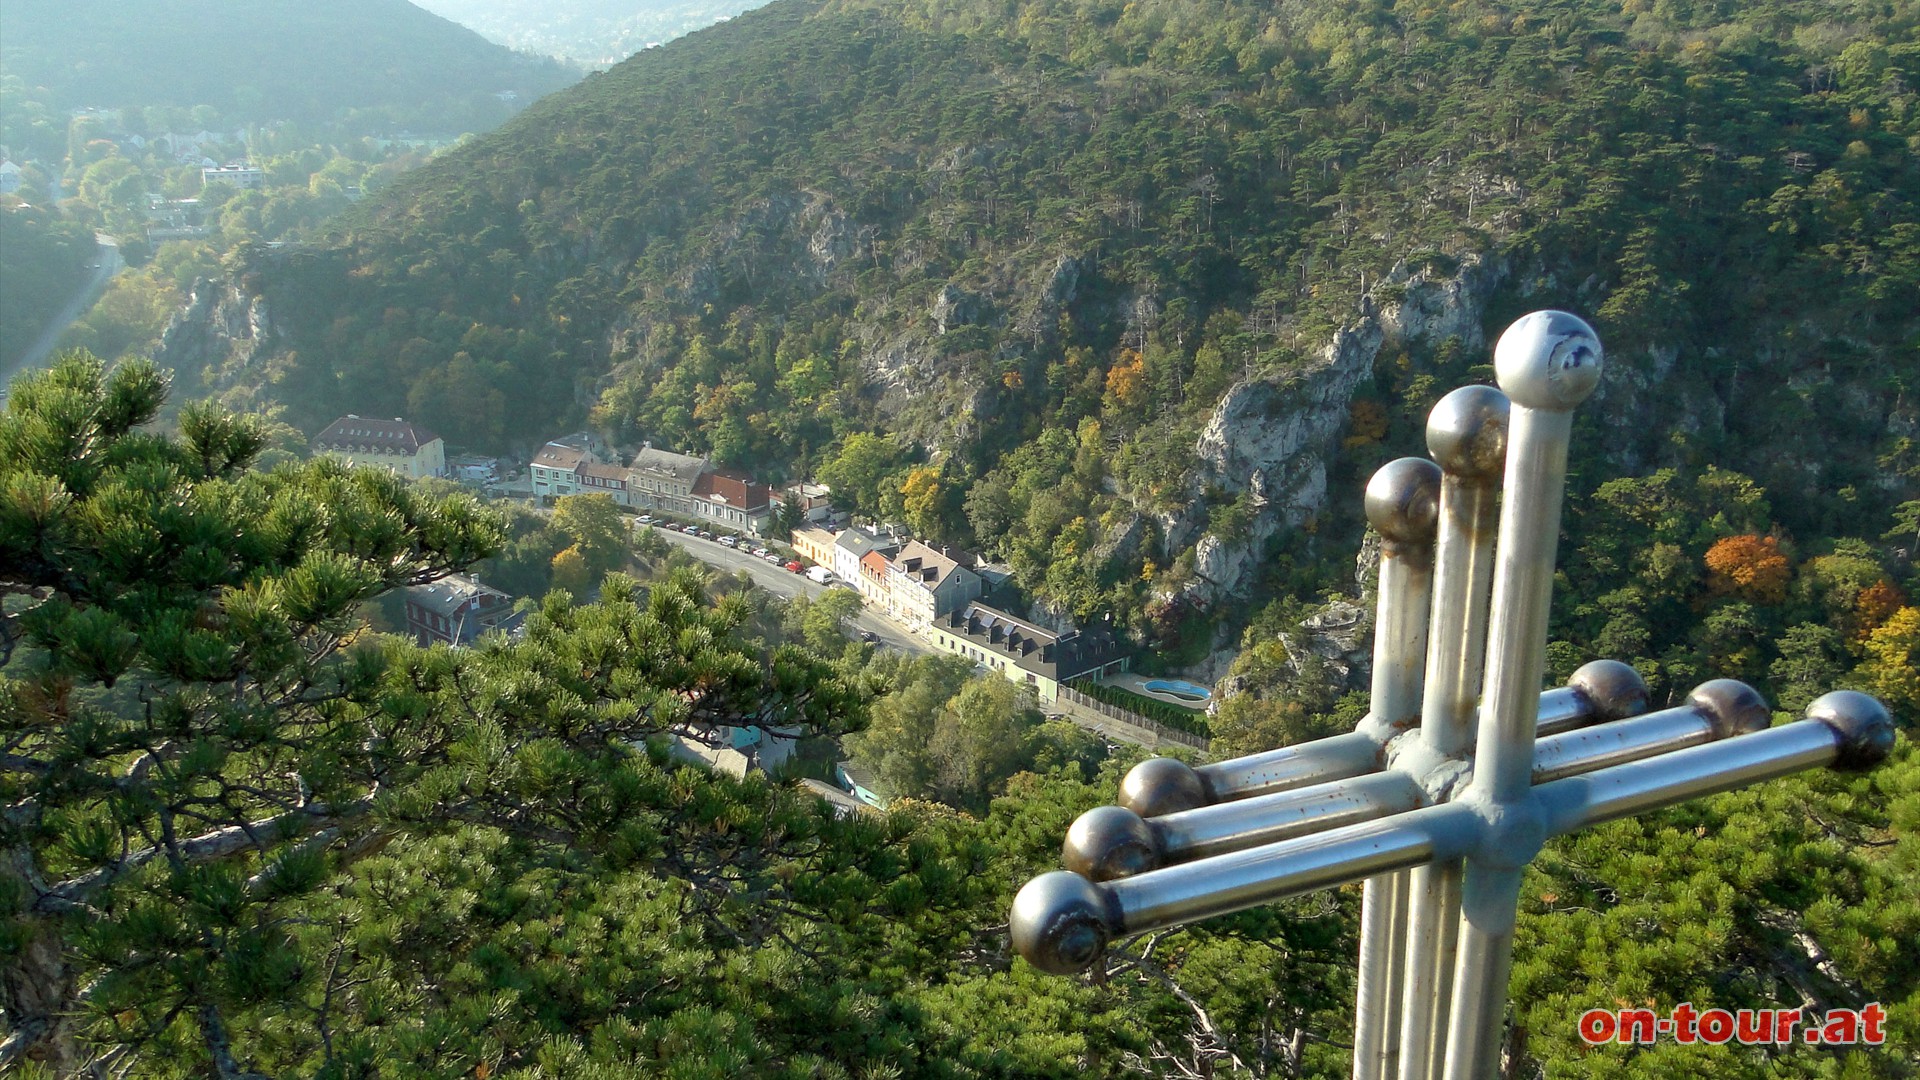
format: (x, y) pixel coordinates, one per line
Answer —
(1110, 842)
(1548, 360)
(1734, 707)
(1467, 433)
(1615, 689)
(1162, 785)
(1865, 729)
(1061, 923)
(1403, 500)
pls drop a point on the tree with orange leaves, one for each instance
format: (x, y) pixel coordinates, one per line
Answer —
(1127, 379)
(1750, 567)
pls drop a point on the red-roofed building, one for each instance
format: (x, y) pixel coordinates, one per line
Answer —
(872, 581)
(733, 500)
(407, 449)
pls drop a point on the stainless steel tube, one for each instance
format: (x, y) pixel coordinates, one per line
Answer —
(1213, 830)
(1715, 710)
(1244, 879)
(1467, 437)
(1061, 922)
(1111, 842)
(1625, 790)
(1402, 504)
(1547, 363)
(1159, 786)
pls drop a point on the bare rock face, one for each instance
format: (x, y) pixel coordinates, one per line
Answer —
(222, 330)
(1275, 436)
(953, 308)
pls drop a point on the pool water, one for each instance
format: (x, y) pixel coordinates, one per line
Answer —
(1185, 691)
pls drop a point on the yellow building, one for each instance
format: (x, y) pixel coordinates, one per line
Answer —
(407, 449)
(815, 545)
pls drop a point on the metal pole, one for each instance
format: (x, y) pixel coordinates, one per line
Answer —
(1111, 842)
(1845, 729)
(1547, 363)
(1159, 786)
(1467, 436)
(1402, 504)
(1061, 922)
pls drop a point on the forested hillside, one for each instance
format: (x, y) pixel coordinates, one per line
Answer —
(962, 227)
(381, 61)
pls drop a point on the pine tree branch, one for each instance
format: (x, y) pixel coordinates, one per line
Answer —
(218, 844)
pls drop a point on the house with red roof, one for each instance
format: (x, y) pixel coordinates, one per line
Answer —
(733, 500)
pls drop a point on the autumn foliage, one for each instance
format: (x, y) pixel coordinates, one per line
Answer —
(1127, 379)
(1750, 567)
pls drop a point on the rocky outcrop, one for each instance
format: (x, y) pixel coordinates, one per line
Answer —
(222, 331)
(1273, 437)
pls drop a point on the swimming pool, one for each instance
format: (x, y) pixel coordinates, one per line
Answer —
(1185, 691)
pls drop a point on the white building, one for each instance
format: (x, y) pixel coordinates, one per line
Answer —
(407, 449)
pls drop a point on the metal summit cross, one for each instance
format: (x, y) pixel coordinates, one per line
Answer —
(1438, 822)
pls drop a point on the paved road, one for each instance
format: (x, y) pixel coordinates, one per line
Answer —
(108, 263)
(783, 582)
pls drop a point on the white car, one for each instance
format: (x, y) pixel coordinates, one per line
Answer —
(646, 519)
(729, 541)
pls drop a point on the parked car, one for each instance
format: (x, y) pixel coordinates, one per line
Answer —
(794, 566)
(772, 558)
(729, 541)
(869, 636)
(646, 519)
(702, 534)
(759, 553)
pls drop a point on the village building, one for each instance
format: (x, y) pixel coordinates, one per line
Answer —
(244, 176)
(733, 501)
(814, 545)
(927, 582)
(872, 582)
(1025, 653)
(815, 503)
(853, 545)
(560, 468)
(664, 480)
(407, 449)
(457, 609)
(609, 480)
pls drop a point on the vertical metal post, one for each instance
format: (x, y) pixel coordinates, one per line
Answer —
(1467, 436)
(1547, 363)
(1403, 506)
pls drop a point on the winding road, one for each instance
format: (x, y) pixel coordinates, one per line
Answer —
(107, 262)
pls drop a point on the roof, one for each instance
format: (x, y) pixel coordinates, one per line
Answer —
(606, 472)
(926, 566)
(456, 593)
(874, 563)
(359, 435)
(843, 804)
(810, 535)
(1058, 655)
(732, 489)
(859, 541)
(667, 463)
(555, 456)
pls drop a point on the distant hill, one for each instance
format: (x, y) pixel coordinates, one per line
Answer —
(1149, 230)
(265, 59)
(589, 31)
